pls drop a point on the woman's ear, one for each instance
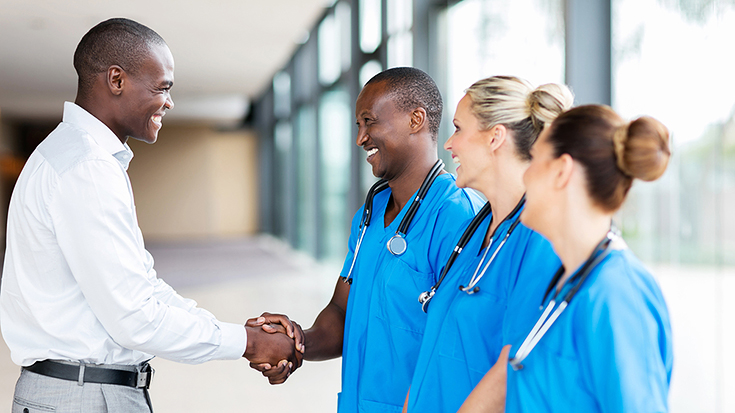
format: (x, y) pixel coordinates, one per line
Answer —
(496, 136)
(563, 171)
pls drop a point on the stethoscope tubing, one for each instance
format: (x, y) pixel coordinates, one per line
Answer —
(545, 322)
(426, 296)
(365, 221)
(405, 222)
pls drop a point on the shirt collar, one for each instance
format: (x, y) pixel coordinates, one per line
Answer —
(99, 132)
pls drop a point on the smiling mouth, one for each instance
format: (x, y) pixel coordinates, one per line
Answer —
(372, 152)
(456, 160)
(157, 119)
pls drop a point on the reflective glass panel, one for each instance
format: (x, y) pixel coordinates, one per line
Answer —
(335, 140)
(283, 135)
(329, 50)
(523, 38)
(400, 49)
(370, 25)
(400, 16)
(282, 94)
(672, 60)
(306, 188)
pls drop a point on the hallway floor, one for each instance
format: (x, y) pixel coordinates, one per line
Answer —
(239, 279)
(235, 280)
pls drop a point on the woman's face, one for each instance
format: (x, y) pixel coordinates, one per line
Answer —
(468, 146)
(539, 182)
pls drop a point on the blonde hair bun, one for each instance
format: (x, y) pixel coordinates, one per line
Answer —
(547, 101)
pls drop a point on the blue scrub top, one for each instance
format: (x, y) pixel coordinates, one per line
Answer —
(463, 337)
(609, 351)
(384, 323)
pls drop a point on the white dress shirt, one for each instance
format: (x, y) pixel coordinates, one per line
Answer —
(78, 283)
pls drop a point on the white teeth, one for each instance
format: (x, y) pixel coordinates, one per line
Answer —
(455, 160)
(156, 118)
(372, 152)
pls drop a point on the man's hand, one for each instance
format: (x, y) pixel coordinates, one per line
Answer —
(292, 329)
(271, 349)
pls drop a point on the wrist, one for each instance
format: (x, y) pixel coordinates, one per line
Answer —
(252, 342)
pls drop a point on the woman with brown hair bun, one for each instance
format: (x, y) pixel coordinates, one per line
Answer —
(602, 342)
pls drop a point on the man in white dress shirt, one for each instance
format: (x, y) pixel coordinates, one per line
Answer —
(81, 307)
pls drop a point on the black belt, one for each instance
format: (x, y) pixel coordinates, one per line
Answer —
(89, 373)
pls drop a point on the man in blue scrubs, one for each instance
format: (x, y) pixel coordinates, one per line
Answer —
(375, 321)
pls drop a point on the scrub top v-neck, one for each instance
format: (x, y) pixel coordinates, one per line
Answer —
(384, 324)
(463, 336)
(609, 351)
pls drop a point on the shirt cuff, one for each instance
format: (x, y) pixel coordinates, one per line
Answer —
(234, 341)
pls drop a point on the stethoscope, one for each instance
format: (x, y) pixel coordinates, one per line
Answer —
(545, 322)
(397, 244)
(472, 288)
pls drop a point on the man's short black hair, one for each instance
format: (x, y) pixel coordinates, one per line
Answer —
(118, 41)
(411, 88)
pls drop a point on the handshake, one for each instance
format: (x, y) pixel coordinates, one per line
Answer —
(275, 346)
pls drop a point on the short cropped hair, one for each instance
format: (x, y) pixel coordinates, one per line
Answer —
(117, 41)
(411, 88)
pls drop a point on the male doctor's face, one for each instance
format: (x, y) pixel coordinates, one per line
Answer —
(383, 131)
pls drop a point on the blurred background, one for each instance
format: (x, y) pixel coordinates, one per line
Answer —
(260, 145)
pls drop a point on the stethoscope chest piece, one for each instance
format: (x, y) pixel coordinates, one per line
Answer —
(425, 298)
(397, 245)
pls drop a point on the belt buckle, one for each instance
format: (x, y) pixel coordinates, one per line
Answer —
(145, 375)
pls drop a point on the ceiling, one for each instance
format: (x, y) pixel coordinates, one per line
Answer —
(225, 51)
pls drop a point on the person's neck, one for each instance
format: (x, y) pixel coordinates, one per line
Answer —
(504, 191)
(404, 186)
(96, 109)
(577, 237)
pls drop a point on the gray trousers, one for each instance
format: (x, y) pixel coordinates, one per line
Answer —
(35, 393)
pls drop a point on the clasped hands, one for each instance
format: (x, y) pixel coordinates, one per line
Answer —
(275, 346)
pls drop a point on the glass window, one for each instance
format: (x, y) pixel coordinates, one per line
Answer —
(400, 16)
(335, 140)
(400, 38)
(400, 49)
(654, 58)
(283, 134)
(672, 61)
(305, 72)
(368, 70)
(523, 38)
(330, 66)
(343, 14)
(370, 25)
(282, 94)
(306, 188)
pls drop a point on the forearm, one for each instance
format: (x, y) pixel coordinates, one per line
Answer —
(489, 394)
(323, 341)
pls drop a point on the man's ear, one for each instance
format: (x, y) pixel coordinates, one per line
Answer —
(116, 79)
(564, 169)
(418, 119)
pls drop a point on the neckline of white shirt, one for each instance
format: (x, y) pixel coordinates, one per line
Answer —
(98, 131)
